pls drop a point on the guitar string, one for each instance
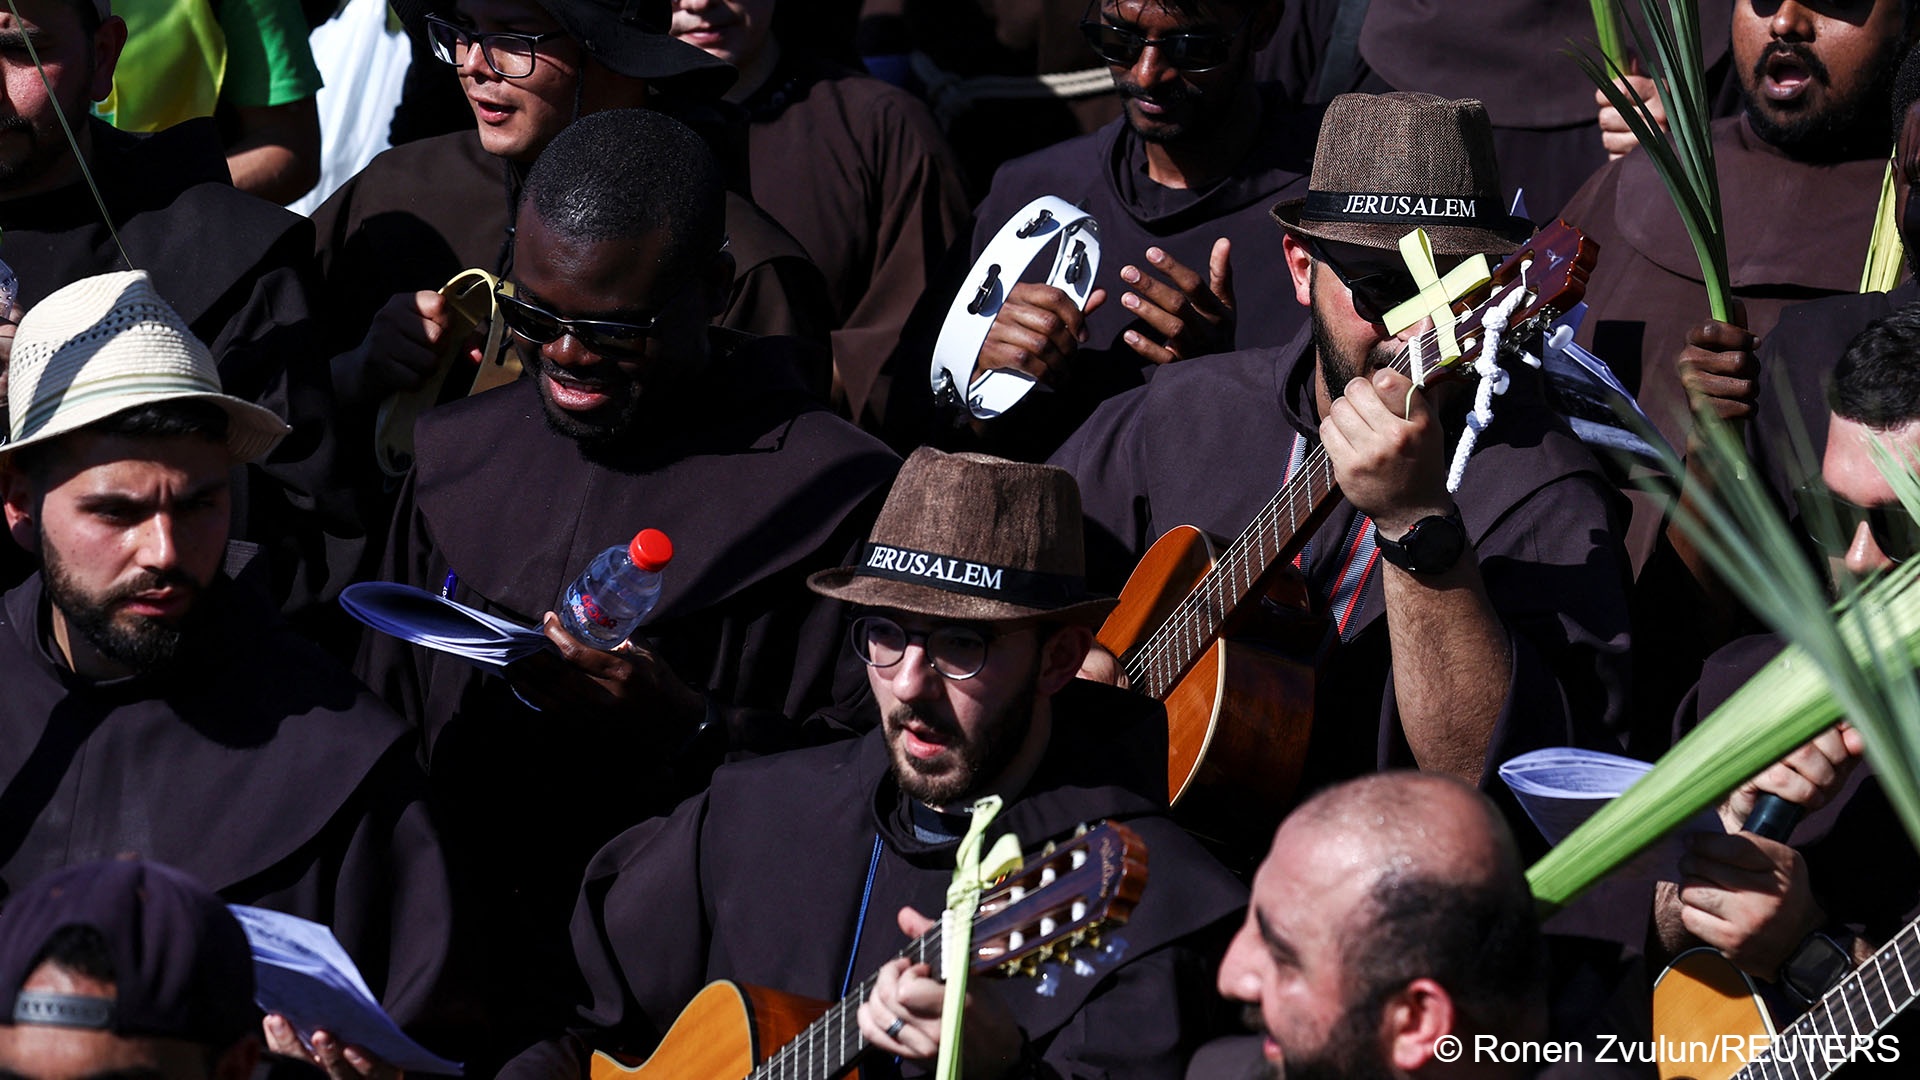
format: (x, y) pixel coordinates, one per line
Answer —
(1805, 1029)
(796, 1059)
(1183, 629)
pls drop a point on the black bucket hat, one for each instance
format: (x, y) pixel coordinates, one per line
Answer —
(632, 38)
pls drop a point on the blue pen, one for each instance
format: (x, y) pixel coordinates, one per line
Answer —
(446, 587)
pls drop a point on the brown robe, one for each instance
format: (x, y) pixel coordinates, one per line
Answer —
(1511, 55)
(261, 767)
(756, 483)
(1795, 231)
(859, 173)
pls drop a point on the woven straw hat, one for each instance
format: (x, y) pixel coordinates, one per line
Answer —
(1386, 163)
(972, 537)
(109, 343)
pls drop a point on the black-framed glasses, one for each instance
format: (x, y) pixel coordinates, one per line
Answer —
(598, 336)
(1833, 522)
(955, 650)
(510, 55)
(1190, 50)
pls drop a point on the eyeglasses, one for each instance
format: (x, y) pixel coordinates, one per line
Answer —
(955, 650)
(1190, 51)
(1833, 522)
(1378, 280)
(541, 326)
(509, 55)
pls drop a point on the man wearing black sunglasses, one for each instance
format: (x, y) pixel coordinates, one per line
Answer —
(424, 211)
(1466, 626)
(634, 412)
(1179, 185)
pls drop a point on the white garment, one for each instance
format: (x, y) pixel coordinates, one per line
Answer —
(364, 64)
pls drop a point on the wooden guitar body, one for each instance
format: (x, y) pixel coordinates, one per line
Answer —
(1702, 995)
(1239, 718)
(722, 1034)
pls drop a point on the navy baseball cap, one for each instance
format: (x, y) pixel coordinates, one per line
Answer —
(181, 964)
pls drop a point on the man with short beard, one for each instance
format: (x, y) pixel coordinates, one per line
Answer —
(1463, 626)
(232, 265)
(153, 705)
(1800, 174)
(635, 413)
(1179, 184)
(790, 872)
(1389, 926)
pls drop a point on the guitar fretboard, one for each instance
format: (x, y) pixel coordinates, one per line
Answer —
(1865, 1002)
(1277, 533)
(828, 1046)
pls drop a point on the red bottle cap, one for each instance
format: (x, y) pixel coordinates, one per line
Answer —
(650, 549)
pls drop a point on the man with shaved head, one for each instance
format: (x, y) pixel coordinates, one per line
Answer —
(1389, 925)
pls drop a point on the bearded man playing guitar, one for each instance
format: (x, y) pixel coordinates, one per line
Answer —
(1465, 627)
(972, 619)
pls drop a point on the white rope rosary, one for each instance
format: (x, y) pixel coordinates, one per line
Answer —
(1493, 377)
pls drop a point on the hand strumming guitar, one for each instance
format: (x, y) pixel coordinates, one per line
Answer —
(902, 1015)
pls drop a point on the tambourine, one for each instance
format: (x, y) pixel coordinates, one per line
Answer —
(1075, 263)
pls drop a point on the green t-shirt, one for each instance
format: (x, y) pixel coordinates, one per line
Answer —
(183, 55)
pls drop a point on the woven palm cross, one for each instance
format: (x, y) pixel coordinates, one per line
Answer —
(1437, 294)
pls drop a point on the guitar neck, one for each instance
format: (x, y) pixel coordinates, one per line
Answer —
(1277, 533)
(1862, 1004)
(830, 1044)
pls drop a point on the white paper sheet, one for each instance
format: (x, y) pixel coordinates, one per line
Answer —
(436, 622)
(1561, 787)
(301, 972)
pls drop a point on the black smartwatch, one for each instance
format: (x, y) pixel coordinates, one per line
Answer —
(1816, 967)
(1432, 546)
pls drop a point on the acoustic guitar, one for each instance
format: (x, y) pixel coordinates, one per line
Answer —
(1702, 1000)
(1057, 901)
(1238, 716)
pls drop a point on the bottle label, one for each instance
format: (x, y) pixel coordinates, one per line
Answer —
(588, 612)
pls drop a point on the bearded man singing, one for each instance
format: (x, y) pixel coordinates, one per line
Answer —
(973, 618)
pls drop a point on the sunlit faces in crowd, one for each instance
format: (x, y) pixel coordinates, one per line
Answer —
(79, 54)
(1817, 76)
(1180, 68)
(131, 532)
(519, 114)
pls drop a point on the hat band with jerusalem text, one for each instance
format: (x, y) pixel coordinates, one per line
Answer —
(1026, 588)
(1402, 208)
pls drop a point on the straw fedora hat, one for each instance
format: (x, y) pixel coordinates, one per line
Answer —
(972, 537)
(106, 344)
(1387, 163)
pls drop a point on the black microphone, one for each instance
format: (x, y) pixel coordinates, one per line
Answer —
(1773, 817)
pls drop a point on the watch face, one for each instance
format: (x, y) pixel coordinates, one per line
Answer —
(1432, 546)
(1816, 967)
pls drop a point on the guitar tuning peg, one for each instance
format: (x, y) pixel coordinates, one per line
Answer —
(1082, 968)
(1081, 829)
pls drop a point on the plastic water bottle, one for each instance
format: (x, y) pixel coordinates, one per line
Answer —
(617, 591)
